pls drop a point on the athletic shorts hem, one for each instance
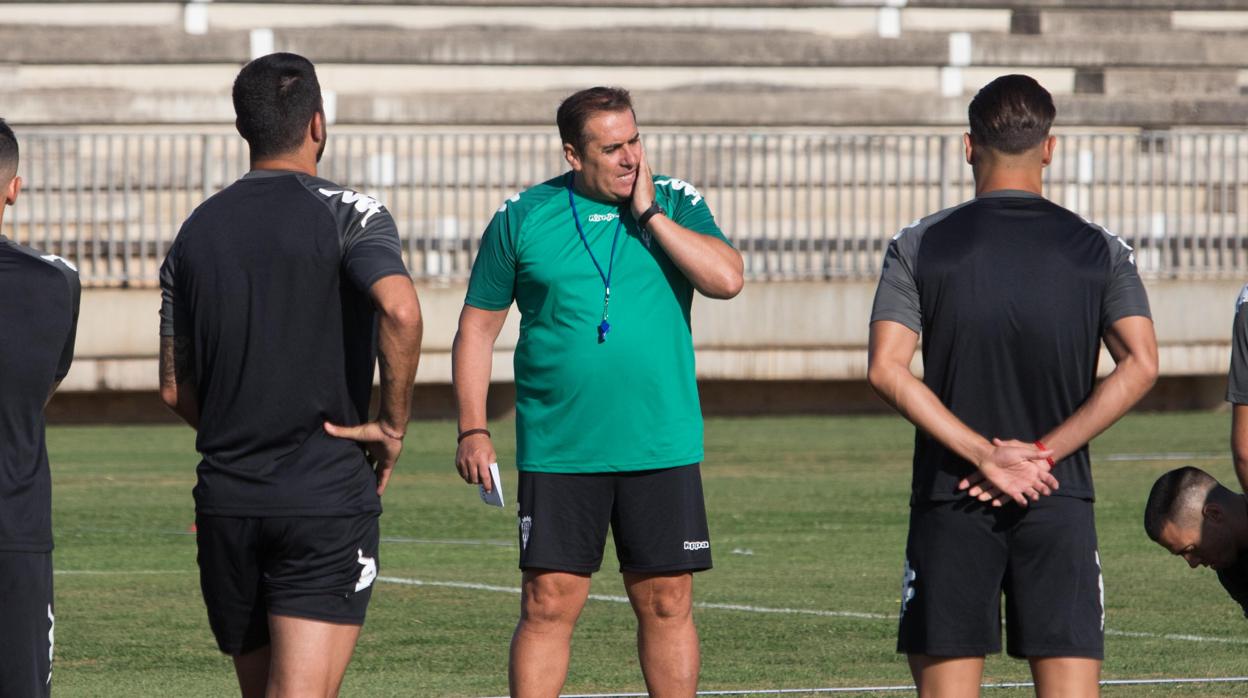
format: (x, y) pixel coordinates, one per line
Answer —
(1236, 398)
(1041, 652)
(952, 651)
(295, 513)
(561, 567)
(581, 468)
(15, 547)
(238, 650)
(660, 569)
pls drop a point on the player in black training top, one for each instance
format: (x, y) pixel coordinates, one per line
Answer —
(1237, 388)
(38, 317)
(1195, 517)
(279, 294)
(1012, 296)
(1190, 513)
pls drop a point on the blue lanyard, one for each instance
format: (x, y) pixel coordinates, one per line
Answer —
(604, 327)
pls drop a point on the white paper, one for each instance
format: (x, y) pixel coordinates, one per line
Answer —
(495, 496)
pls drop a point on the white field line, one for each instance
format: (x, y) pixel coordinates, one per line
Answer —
(898, 689)
(863, 615)
(1179, 636)
(624, 599)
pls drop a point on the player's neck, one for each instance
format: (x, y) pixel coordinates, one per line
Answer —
(992, 179)
(293, 162)
(579, 186)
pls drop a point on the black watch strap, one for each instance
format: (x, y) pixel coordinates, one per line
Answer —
(654, 210)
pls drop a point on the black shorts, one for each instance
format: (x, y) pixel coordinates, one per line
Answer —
(320, 568)
(657, 518)
(960, 557)
(26, 624)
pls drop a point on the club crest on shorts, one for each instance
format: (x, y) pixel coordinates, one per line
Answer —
(369, 573)
(526, 523)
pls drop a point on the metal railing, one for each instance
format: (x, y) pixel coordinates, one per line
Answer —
(799, 206)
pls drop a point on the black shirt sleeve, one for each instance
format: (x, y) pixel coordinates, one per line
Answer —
(897, 296)
(1124, 295)
(1237, 380)
(75, 299)
(169, 306)
(372, 251)
(370, 239)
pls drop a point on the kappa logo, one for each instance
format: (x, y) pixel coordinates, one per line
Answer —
(602, 217)
(368, 574)
(908, 576)
(682, 186)
(363, 203)
(58, 258)
(51, 640)
(697, 545)
(510, 200)
(526, 524)
(1130, 250)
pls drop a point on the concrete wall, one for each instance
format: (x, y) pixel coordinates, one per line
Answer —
(773, 332)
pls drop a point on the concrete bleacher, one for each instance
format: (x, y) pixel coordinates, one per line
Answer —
(1149, 63)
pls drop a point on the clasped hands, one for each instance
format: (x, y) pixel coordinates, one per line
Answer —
(1011, 470)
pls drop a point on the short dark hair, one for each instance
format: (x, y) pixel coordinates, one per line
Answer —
(8, 150)
(579, 107)
(275, 96)
(1175, 494)
(1011, 114)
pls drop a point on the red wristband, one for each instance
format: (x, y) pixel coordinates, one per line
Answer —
(1040, 445)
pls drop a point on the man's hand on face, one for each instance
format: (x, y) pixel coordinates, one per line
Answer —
(643, 188)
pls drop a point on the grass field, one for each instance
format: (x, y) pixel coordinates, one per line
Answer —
(805, 513)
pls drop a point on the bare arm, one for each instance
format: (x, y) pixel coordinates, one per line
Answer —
(1133, 344)
(1018, 470)
(400, 331)
(177, 382)
(1239, 443)
(400, 328)
(713, 267)
(471, 358)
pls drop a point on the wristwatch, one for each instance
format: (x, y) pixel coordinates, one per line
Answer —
(654, 210)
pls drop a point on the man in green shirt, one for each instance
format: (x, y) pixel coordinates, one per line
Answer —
(602, 262)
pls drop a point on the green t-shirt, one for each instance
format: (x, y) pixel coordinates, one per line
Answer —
(585, 406)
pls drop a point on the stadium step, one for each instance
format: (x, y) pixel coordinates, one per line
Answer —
(1137, 82)
(1089, 22)
(722, 106)
(515, 46)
